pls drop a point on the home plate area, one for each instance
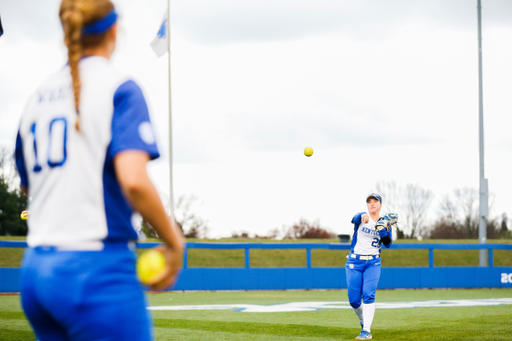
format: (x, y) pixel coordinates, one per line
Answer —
(313, 306)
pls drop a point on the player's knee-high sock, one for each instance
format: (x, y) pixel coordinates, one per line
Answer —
(359, 312)
(368, 313)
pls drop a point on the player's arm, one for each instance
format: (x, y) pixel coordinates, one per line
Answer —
(361, 217)
(130, 166)
(385, 237)
(384, 227)
(20, 164)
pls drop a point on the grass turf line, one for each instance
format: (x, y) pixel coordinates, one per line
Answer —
(446, 323)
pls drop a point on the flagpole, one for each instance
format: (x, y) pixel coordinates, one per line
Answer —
(171, 193)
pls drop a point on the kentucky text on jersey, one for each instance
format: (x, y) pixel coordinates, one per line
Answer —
(366, 240)
(368, 230)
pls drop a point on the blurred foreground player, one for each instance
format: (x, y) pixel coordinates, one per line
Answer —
(83, 144)
(363, 263)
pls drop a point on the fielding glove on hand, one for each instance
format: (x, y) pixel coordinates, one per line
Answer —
(386, 221)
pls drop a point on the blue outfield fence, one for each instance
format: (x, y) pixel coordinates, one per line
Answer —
(309, 277)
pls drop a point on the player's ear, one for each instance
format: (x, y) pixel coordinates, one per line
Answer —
(113, 31)
(111, 39)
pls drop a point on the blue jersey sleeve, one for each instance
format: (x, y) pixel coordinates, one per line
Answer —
(357, 218)
(386, 237)
(131, 127)
(20, 161)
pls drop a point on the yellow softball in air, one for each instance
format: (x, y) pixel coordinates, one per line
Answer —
(24, 215)
(150, 264)
(308, 151)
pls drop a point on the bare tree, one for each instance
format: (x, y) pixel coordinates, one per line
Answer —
(467, 199)
(241, 234)
(147, 230)
(392, 194)
(410, 202)
(8, 168)
(459, 217)
(188, 219)
(448, 209)
(306, 230)
(12, 200)
(273, 234)
(504, 223)
(416, 204)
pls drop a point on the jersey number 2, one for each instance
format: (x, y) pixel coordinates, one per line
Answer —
(56, 154)
(376, 242)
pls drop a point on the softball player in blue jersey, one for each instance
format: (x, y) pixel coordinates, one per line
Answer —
(82, 148)
(363, 264)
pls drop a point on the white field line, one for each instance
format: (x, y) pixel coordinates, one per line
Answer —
(312, 306)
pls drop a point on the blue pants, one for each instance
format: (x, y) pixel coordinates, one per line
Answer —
(362, 279)
(83, 295)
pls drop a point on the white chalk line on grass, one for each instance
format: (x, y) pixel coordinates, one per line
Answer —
(313, 306)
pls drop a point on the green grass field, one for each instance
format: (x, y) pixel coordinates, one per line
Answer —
(445, 323)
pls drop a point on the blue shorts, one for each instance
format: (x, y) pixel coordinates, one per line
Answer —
(84, 295)
(362, 279)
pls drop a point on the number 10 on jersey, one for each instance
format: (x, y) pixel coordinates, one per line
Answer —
(55, 155)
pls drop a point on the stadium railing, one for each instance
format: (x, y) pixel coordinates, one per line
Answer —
(309, 277)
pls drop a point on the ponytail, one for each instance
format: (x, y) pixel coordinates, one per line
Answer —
(74, 16)
(72, 21)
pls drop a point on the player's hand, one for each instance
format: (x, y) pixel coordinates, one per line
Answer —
(167, 277)
(365, 218)
(386, 221)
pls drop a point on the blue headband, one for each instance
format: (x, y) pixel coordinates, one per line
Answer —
(374, 195)
(101, 25)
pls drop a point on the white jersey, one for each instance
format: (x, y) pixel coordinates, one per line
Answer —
(366, 240)
(74, 192)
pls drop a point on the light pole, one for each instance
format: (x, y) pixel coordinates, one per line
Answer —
(171, 187)
(484, 187)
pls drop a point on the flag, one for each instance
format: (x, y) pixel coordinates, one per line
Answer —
(161, 42)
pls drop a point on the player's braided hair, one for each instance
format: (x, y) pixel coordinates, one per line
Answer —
(74, 15)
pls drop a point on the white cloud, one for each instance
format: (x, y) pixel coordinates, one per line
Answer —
(380, 90)
(229, 21)
(30, 18)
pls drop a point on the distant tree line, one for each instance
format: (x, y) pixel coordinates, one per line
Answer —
(187, 217)
(303, 229)
(457, 215)
(459, 218)
(12, 201)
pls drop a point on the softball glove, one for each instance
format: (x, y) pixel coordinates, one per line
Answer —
(386, 221)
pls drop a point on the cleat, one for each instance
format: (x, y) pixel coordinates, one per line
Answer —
(364, 335)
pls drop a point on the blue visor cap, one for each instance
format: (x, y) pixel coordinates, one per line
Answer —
(101, 25)
(374, 195)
